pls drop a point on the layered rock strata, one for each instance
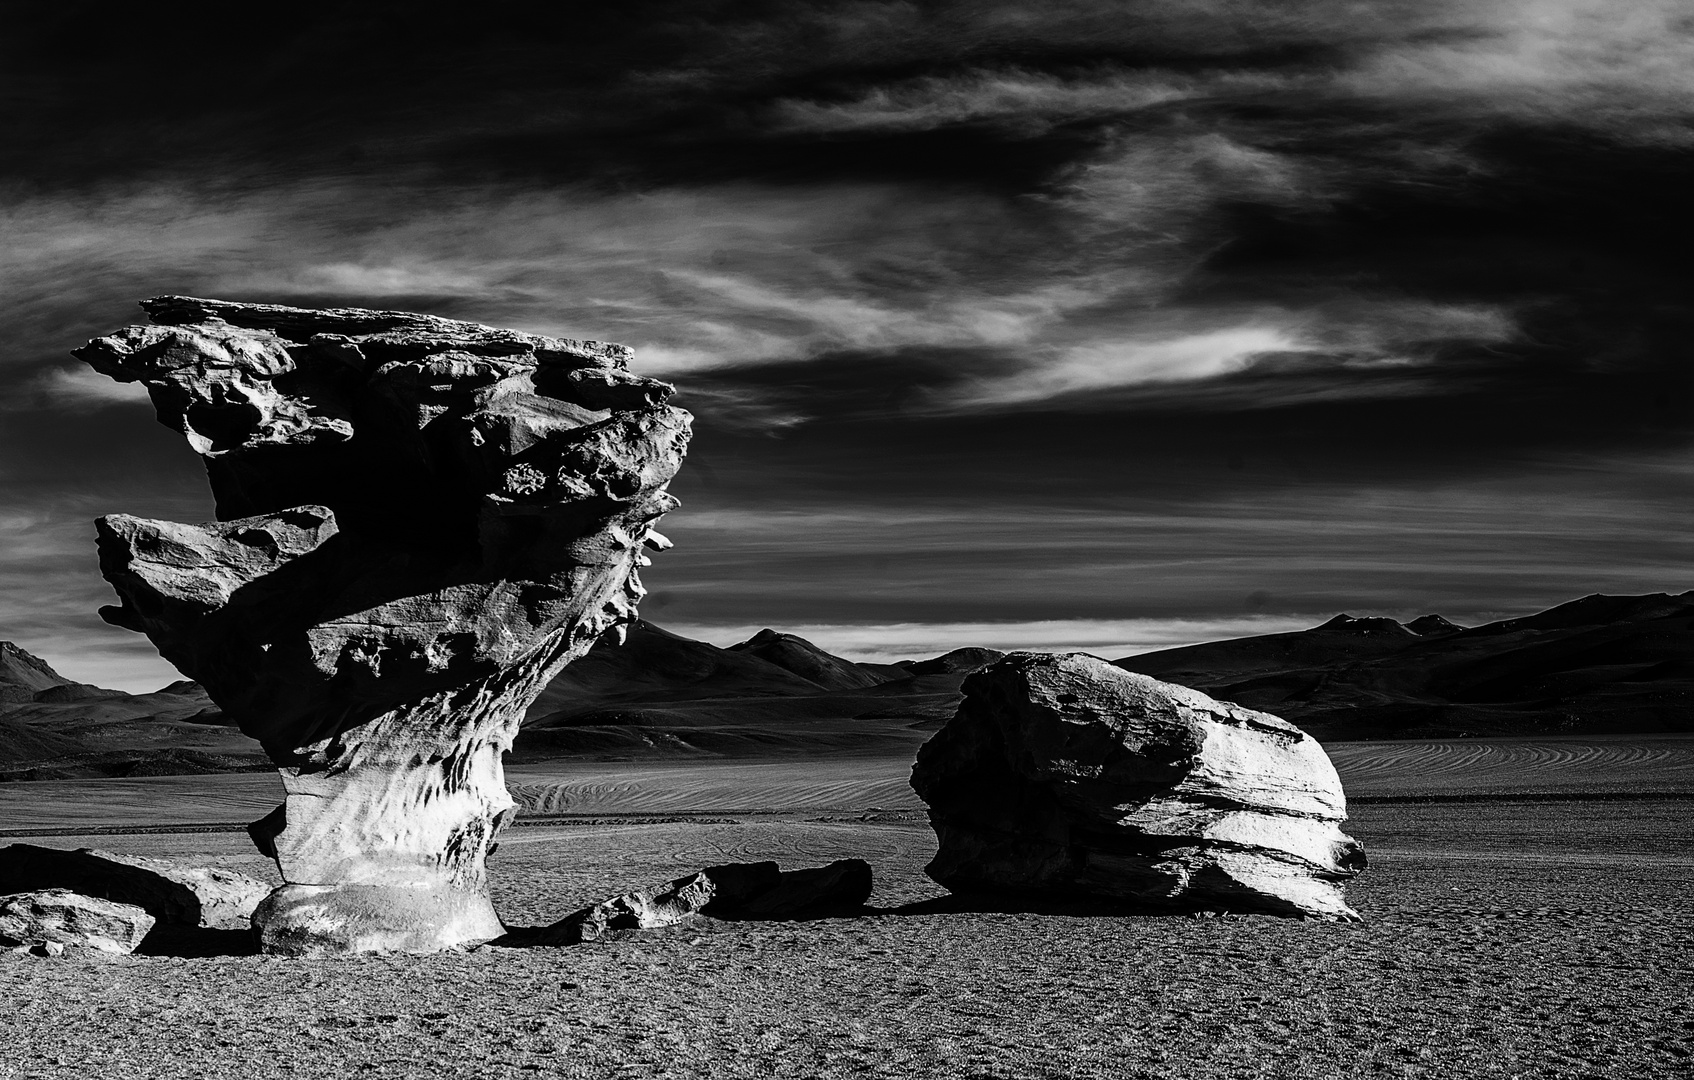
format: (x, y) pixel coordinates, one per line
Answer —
(1065, 778)
(419, 523)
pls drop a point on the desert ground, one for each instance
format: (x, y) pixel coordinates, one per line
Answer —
(1526, 915)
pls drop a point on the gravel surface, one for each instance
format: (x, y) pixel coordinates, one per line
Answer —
(1502, 939)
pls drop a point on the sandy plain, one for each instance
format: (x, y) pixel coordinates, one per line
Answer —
(1527, 914)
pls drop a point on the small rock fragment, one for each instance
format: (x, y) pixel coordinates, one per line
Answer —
(736, 891)
(710, 891)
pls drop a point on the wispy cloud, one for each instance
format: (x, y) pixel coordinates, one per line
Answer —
(77, 389)
(955, 251)
(1619, 67)
(1624, 68)
(1027, 101)
(51, 589)
(1130, 363)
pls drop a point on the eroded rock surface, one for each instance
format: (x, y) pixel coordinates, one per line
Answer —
(189, 896)
(1065, 778)
(60, 917)
(419, 523)
(758, 890)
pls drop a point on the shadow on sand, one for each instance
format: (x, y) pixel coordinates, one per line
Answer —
(1012, 904)
(527, 937)
(197, 942)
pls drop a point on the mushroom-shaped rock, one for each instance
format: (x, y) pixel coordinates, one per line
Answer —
(419, 523)
(1063, 777)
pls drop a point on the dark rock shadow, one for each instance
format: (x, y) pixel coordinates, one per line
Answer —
(1022, 904)
(534, 937)
(28, 867)
(197, 942)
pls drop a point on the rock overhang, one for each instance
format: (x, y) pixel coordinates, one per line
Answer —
(419, 522)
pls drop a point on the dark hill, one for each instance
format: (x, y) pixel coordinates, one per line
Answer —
(658, 694)
(793, 653)
(958, 662)
(661, 694)
(656, 665)
(54, 728)
(1601, 664)
(24, 672)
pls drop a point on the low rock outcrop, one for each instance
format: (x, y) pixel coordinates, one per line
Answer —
(841, 888)
(758, 890)
(1064, 778)
(188, 896)
(50, 917)
(419, 523)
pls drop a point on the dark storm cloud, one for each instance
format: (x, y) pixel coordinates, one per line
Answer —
(998, 254)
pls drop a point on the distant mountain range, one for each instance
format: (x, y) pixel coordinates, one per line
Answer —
(54, 728)
(1602, 664)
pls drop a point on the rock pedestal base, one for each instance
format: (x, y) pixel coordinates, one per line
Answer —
(334, 920)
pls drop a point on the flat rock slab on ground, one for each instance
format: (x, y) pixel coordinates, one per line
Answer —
(61, 917)
(189, 896)
(757, 890)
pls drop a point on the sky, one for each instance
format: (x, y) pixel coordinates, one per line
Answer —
(1062, 324)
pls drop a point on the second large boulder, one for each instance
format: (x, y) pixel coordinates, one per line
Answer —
(187, 896)
(1065, 778)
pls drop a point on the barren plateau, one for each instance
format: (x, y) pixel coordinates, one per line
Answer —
(1539, 935)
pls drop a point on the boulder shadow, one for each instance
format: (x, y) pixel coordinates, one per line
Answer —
(539, 937)
(197, 942)
(1024, 904)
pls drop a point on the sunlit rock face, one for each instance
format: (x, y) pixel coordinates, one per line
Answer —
(1064, 778)
(420, 522)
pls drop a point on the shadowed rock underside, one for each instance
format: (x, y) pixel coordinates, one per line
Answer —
(1064, 778)
(419, 523)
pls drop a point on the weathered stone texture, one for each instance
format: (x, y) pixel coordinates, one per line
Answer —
(419, 522)
(1066, 778)
(60, 917)
(189, 896)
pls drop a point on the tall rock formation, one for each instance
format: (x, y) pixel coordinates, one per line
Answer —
(419, 523)
(1065, 778)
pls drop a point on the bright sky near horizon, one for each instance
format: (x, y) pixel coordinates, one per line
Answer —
(1065, 324)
